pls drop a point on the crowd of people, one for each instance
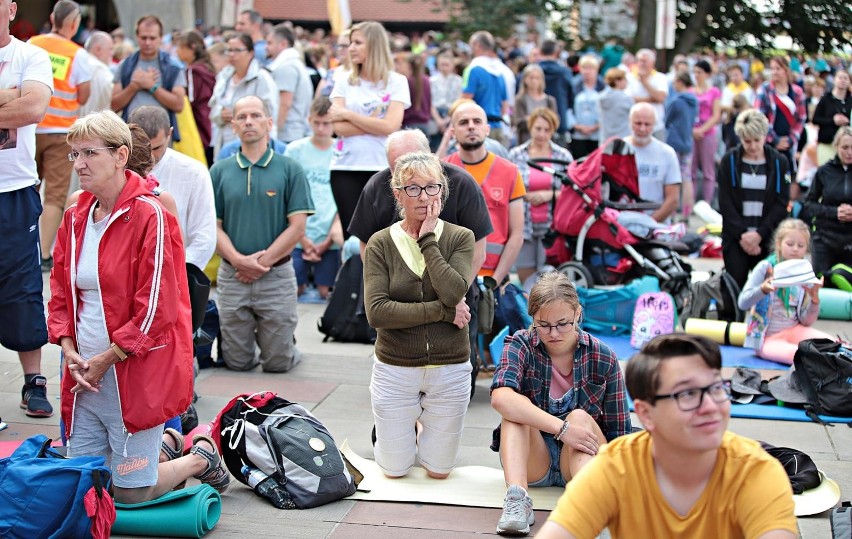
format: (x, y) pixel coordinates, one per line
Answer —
(416, 150)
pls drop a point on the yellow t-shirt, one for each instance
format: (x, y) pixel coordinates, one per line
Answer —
(747, 495)
(409, 249)
(479, 172)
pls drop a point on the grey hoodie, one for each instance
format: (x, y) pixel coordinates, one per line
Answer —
(614, 111)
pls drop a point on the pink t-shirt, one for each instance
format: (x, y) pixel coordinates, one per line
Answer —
(705, 106)
(539, 181)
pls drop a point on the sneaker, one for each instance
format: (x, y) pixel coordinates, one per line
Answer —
(34, 398)
(216, 475)
(517, 514)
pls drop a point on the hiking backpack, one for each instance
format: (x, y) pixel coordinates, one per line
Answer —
(44, 494)
(720, 287)
(285, 442)
(345, 319)
(655, 314)
(823, 368)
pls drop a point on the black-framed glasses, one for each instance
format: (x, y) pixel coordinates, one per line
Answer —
(692, 398)
(561, 327)
(414, 190)
(234, 51)
(86, 152)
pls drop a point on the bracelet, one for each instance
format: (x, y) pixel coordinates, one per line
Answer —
(562, 431)
(122, 355)
(154, 88)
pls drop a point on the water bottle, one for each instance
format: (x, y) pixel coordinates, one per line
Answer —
(712, 310)
(267, 487)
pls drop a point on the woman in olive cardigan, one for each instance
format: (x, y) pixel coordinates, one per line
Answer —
(416, 273)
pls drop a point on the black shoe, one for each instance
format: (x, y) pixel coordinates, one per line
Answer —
(34, 398)
(47, 264)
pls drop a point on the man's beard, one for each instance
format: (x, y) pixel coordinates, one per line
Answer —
(471, 146)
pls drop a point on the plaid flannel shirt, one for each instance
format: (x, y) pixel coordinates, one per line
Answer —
(526, 367)
(765, 103)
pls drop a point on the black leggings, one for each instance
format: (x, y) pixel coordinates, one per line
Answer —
(346, 187)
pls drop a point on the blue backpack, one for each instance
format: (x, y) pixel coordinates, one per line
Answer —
(41, 492)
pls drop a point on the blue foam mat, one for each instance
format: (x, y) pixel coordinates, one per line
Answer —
(770, 411)
(732, 356)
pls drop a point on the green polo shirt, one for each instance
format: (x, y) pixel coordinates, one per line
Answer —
(254, 200)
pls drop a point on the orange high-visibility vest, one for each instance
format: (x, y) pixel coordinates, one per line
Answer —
(497, 187)
(63, 108)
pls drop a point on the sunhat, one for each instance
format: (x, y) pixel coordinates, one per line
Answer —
(796, 272)
(819, 499)
(745, 384)
(786, 388)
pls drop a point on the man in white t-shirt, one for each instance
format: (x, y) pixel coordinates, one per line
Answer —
(99, 46)
(659, 171)
(26, 85)
(295, 89)
(648, 85)
(187, 180)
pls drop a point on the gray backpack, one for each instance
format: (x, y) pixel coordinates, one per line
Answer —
(720, 287)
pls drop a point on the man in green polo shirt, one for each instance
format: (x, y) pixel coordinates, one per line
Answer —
(262, 202)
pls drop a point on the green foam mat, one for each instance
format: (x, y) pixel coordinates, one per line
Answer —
(190, 512)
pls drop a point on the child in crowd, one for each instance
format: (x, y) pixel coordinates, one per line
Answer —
(319, 251)
(781, 317)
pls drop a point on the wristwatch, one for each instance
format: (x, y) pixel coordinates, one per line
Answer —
(122, 355)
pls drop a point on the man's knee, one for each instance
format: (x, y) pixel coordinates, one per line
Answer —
(133, 495)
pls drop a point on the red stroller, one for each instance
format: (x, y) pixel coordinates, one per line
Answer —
(585, 218)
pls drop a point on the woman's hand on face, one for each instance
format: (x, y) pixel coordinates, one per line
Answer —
(462, 315)
(581, 438)
(433, 210)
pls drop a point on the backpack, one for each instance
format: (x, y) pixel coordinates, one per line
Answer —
(43, 494)
(285, 442)
(344, 318)
(823, 369)
(510, 308)
(841, 521)
(655, 314)
(720, 287)
(840, 276)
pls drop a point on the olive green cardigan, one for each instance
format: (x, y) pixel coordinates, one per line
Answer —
(413, 316)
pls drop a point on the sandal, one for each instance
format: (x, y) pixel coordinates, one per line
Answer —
(215, 475)
(175, 452)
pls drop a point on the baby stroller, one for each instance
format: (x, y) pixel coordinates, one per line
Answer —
(586, 217)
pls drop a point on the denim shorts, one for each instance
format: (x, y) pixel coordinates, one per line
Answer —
(553, 477)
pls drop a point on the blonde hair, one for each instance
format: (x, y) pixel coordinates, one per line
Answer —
(589, 60)
(751, 123)
(379, 61)
(551, 287)
(105, 125)
(527, 71)
(842, 131)
(785, 227)
(423, 165)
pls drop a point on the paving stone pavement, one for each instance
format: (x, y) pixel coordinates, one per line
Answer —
(333, 381)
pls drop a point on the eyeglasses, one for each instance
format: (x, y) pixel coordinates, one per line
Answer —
(87, 153)
(561, 327)
(414, 190)
(691, 399)
(234, 51)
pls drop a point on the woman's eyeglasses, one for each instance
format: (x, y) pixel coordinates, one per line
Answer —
(414, 190)
(87, 153)
(234, 51)
(560, 327)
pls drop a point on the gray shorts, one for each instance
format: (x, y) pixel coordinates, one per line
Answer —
(98, 430)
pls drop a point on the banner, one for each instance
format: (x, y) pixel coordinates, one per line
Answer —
(666, 17)
(339, 16)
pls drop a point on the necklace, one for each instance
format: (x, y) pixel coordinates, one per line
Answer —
(752, 168)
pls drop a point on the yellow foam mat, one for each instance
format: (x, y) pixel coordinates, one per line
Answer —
(470, 486)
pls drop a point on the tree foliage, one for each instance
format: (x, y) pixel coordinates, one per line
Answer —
(496, 16)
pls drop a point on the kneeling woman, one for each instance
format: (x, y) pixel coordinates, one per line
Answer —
(416, 273)
(561, 394)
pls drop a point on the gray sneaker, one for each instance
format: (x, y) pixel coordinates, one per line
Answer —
(517, 514)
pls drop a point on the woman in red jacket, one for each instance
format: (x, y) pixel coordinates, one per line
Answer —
(119, 309)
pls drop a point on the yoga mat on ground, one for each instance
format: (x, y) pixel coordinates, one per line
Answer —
(722, 332)
(190, 512)
(835, 304)
(732, 356)
(469, 486)
(770, 411)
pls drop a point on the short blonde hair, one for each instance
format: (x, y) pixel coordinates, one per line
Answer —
(104, 125)
(589, 60)
(842, 131)
(421, 164)
(751, 123)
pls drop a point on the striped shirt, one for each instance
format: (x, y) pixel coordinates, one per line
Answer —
(753, 178)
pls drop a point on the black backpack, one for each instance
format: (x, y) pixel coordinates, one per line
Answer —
(824, 370)
(344, 318)
(720, 287)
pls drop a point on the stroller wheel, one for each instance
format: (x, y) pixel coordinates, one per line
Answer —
(578, 273)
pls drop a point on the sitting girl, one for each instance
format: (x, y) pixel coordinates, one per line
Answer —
(561, 396)
(780, 318)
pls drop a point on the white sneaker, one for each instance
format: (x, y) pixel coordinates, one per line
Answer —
(517, 514)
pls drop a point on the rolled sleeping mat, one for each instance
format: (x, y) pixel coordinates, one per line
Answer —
(720, 331)
(835, 304)
(189, 512)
